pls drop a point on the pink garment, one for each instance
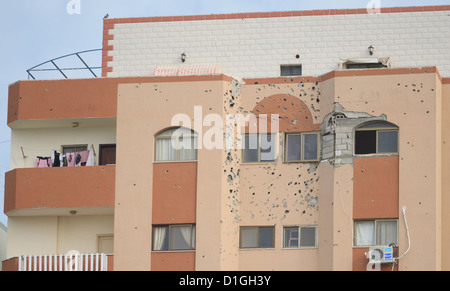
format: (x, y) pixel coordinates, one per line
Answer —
(84, 156)
(70, 157)
(43, 162)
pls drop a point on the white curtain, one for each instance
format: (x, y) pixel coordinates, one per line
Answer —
(186, 232)
(165, 150)
(386, 232)
(364, 233)
(159, 235)
(180, 237)
(187, 151)
(176, 145)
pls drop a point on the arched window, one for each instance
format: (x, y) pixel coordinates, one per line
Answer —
(176, 144)
(376, 138)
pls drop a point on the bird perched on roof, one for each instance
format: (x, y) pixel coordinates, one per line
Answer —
(106, 16)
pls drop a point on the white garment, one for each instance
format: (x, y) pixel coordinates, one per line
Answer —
(90, 160)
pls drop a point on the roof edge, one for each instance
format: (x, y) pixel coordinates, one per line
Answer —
(276, 14)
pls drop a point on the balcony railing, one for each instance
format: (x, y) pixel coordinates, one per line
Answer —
(67, 262)
(27, 190)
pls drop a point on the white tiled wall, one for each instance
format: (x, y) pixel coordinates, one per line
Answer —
(253, 48)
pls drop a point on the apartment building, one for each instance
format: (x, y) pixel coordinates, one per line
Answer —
(301, 140)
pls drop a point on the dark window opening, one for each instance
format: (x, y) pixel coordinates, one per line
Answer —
(365, 142)
(291, 70)
(107, 154)
(365, 66)
(376, 138)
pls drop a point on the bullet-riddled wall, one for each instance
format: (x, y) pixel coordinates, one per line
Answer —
(329, 194)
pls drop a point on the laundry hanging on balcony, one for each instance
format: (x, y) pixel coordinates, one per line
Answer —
(73, 159)
(44, 162)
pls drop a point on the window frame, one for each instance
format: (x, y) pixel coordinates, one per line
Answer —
(390, 128)
(376, 238)
(275, 143)
(161, 135)
(302, 151)
(192, 243)
(258, 227)
(73, 148)
(291, 67)
(299, 227)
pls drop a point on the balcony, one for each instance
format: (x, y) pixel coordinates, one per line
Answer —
(58, 191)
(68, 262)
(48, 100)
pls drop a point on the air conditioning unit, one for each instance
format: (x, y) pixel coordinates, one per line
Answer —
(380, 254)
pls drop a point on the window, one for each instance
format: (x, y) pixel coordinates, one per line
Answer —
(291, 70)
(375, 232)
(376, 138)
(174, 237)
(105, 243)
(365, 66)
(259, 148)
(299, 237)
(73, 148)
(177, 144)
(302, 147)
(257, 237)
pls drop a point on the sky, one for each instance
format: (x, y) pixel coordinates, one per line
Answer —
(35, 31)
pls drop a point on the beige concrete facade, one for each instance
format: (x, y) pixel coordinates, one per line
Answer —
(282, 194)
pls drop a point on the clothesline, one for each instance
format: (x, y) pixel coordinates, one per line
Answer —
(71, 159)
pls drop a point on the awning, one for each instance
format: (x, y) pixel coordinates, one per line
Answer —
(186, 70)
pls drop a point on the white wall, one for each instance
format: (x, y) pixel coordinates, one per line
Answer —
(56, 234)
(256, 47)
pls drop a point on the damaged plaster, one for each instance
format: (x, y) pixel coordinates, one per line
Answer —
(337, 130)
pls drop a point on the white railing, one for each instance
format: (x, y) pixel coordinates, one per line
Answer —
(67, 262)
